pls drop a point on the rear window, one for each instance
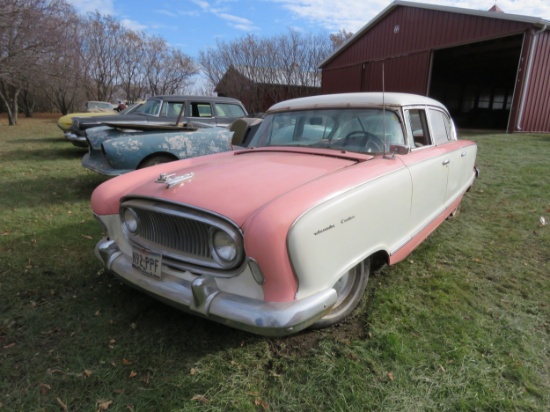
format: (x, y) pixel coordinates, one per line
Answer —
(229, 110)
(441, 125)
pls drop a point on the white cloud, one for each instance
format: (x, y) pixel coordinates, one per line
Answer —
(354, 14)
(167, 13)
(133, 25)
(236, 22)
(90, 6)
(232, 20)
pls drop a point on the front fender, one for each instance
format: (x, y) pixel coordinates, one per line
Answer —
(307, 239)
(128, 152)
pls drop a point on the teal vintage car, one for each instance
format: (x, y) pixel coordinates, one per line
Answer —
(117, 150)
(114, 151)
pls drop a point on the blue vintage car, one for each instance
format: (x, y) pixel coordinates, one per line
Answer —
(117, 148)
(114, 151)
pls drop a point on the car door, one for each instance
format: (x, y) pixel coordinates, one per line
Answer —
(170, 112)
(428, 170)
(459, 157)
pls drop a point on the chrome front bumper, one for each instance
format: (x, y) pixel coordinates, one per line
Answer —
(77, 140)
(203, 297)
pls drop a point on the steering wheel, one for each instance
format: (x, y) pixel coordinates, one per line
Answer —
(369, 141)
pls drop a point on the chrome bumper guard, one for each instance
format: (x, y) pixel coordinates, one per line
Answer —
(75, 139)
(203, 297)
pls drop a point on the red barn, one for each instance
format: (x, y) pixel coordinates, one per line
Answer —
(491, 69)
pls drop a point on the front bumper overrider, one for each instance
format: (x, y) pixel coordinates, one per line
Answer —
(75, 139)
(203, 297)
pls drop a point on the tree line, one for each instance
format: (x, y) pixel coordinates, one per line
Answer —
(52, 59)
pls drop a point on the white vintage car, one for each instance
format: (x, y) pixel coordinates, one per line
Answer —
(282, 236)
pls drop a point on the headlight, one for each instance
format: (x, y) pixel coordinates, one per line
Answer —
(130, 221)
(223, 247)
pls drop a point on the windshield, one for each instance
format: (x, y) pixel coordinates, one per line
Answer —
(151, 107)
(133, 108)
(355, 130)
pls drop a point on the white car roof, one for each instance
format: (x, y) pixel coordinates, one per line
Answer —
(358, 100)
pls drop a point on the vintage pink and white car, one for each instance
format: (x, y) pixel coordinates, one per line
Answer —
(282, 236)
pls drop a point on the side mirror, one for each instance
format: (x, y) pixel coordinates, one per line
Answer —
(399, 149)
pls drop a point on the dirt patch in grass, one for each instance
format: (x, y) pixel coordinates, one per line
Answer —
(353, 328)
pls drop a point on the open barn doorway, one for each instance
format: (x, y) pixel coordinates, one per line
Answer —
(476, 81)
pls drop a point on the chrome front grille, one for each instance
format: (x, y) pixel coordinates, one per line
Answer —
(182, 235)
(174, 232)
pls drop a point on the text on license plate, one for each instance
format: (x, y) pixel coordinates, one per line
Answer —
(149, 263)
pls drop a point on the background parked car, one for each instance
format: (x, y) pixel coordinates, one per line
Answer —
(95, 106)
(284, 235)
(128, 150)
(116, 150)
(65, 122)
(168, 110)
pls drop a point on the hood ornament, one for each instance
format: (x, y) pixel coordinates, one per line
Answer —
(172, 180)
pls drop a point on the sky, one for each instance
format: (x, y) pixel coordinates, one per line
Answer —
(195, 25)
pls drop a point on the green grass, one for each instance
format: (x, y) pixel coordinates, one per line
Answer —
(462, 324)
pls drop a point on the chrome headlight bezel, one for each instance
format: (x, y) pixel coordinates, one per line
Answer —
(129, 220)
(225, 247)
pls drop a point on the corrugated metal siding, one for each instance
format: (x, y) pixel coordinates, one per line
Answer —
(408, 74)
(346, 79)
(536, 114)
(404, 40)
(408, 31)
(421, 30)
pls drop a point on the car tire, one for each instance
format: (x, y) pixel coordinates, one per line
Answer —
(350, 289)
(156, 160)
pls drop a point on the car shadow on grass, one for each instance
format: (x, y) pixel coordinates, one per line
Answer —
(53, 140)
(42, 155)
(40, 191)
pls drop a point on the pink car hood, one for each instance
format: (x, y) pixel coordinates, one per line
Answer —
(233, 184)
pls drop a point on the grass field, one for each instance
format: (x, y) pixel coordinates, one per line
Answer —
(462, 324)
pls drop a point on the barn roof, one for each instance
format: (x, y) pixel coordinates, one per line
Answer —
(491, 14)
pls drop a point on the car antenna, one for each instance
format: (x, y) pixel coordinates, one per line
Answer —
(384, 106)
(386, 154)
(384, 114)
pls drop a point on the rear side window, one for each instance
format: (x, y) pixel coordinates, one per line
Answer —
(229, 110)
(419, 127)
(441, 127)
(201, 109)
(171, 109)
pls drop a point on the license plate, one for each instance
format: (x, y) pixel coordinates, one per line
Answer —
(148, 262)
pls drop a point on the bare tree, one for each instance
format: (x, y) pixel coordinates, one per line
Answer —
(167, 70)
(339, 38)
(29, 31)
(64, 70)
(132, 73)
(261, 71)
(102, 51)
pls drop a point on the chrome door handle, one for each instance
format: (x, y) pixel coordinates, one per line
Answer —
(446, 162)
(462, 154)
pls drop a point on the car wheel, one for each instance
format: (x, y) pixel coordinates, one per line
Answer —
(156, 160)
(350, 289)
